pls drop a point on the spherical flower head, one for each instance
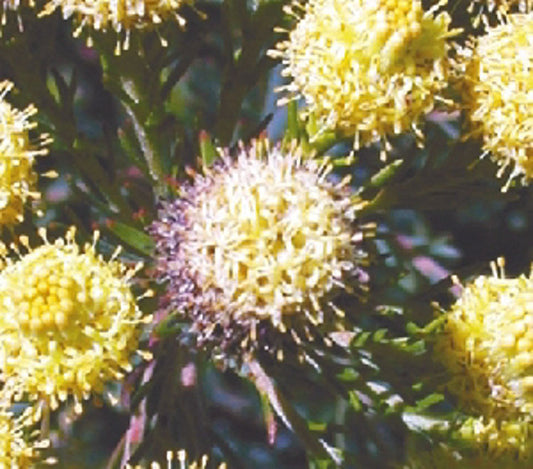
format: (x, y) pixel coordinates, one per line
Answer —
(119, 15)
(487, 345)
(263, 240)
(367, 68)
(68, 320)
(497, 92)
(17, 154)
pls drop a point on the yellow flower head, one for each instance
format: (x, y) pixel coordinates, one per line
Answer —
(17, 154)
(487, 345)
(367, 68)
(498, 90)
(68, 320)
(265, 240)
(119, 15)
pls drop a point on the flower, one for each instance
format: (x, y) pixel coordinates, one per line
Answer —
(181, 457)
(17, 154)
(19, 446)
(487, 346)
(15, 452)
(498, 87)
(421, 455)
(68, 320)
(500, 438)
(120, 15)
(261, 242)
(366, 68)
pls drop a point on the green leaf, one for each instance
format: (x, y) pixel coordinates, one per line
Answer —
(317, 426)
(285, 410)
(384, 175)
(348, 375)
(169, 326)
(293, 127)
(379, 335)
(355, 402)
(426, 402)
(133, 237)
(208, 151)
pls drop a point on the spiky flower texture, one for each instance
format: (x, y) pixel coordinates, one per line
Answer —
(17, 154)
(498, 89)
(487, 344)
(68, 320)
(119, 15)
(367, 68)
(15, 451)
(263, 240)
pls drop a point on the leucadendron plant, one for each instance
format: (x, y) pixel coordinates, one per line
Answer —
(256, 234)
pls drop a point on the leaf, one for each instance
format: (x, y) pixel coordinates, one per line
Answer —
(348, 375)
(317, 426)
(384, 175)
(379, 335)
(355, 402)
(426, 402)
(169, 326)
(293, 127)
(208, 151)
(285, 410)
(96, 175)
(133, 237)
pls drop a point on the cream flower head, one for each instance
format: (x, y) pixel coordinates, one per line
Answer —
(366, 68)
(498, 94)
(68, 320)
(17, 155)
(263, 241)
(487, 346)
